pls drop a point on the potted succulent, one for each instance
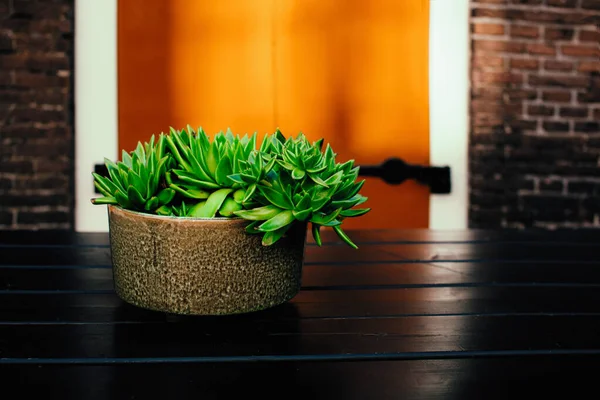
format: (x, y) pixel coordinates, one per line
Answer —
(218, 226)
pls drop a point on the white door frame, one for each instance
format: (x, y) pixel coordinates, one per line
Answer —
(96, 117)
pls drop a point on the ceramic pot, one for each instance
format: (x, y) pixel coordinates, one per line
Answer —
(201, 266)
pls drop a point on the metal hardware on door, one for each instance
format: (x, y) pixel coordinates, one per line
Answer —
(395, 171)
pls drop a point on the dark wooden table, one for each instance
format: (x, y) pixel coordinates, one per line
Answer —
(411, 314)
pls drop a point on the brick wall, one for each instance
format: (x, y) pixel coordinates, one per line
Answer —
(36, 113)
(535, 112)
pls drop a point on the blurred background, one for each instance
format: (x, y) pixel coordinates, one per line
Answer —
(502, 95)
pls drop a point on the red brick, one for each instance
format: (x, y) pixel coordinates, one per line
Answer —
(488, 61)
(553, 65)
(524, 63)
(487, 92)
(597, 114)
(540, 111)
(541, 49)
(524, 124)
(527, 2)
(11, 61)
(574, 112)
(524, 31)
(559, 17)
(559, 34)
(18, 167)
(587, 126)
(497, 46)
(43, 148)
(487, 119)
(559, 96)
(590, 36)
(53, 165)
(37, 80)
(560, 81)
(555, 126)
(520, 94)
(43, 182)
(581, 51)
(491, 1)
(488, 29)
(496, 107)
(30, 217)
(21, 115)
(489, 13)
(589, 66)
(497, 77)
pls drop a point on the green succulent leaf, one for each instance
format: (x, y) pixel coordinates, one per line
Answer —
(190, 193)
(164, 210)
(123, 199)
(140, 185)
(239, 195)
(229, 206)
(105, 200)
(316, 233)
(196, 211)
(297, 173)
(165, 196)
(317, 180)
(213, 203)
(344, 237)
(251, 227)
(278, 221)
(212, 158)
(105, 186)
(249, 193)
(152, 204)
(236, 178)
(325, 219)
(224, 169)
(190, 180)
(349, 203)
(175, 151)
(357, 212)
(277, 198)
(126, 158)
(271, 237)
(259, 214)
(302, 215)
(135, 197)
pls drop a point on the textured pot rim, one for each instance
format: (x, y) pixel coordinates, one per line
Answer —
(138, 214)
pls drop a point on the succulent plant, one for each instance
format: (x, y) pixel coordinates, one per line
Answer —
(304, 185)
(283, 182)
(203, 171)
(134, 182)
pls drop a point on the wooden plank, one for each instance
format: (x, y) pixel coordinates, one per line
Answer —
(221, 338)
(339, 276)
(489, 378)
(499, 301)
(335, 255)
(67, 238)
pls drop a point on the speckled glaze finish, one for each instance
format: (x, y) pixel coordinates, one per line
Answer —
(201, 266)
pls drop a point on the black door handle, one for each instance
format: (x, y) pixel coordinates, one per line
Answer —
(395, 171)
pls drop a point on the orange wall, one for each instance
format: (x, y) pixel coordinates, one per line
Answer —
(352, 71)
